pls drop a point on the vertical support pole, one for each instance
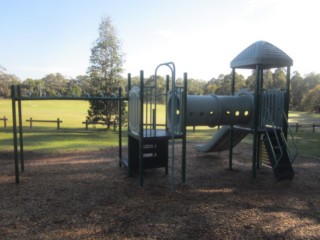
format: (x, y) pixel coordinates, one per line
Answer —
(167, 91)
(129, 82)
(5, 121)
(141, 165)
(87, 123)
(184, 127)
(31, 122)
(261, 80)
(128, 136)
(15, 135)
(286, 103)
(256, 122)
(20, 129)
(120, 125)
(173, 122)
(153, 111)
(154, 119)
(58, 123)
(231, 126)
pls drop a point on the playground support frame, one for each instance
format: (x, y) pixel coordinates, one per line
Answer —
(141, 166)
(184, 128)
(18, 145)
(255, 146)
(231, 127)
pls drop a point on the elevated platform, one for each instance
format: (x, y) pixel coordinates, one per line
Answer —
(154, 150)
(150, 134)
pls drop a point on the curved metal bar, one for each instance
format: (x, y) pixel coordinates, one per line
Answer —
(172, 67)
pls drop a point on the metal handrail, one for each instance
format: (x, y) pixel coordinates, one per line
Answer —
(292, 158)
(269, 140)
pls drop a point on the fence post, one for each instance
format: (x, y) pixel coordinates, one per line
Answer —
(313, 127)
(297, 127)
(87, 123)
(5, 121)
(194, 128)
(31, 122)
(58, 123)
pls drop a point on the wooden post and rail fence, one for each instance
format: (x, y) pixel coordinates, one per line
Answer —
(4, 119)
(58, 121)
(298, 125)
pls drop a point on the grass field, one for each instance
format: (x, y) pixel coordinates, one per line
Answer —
(45, 138)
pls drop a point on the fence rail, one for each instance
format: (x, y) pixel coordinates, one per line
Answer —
(314, 126)
(58, 121)
(87, 123)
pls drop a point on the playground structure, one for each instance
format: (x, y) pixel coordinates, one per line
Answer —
(263, 114)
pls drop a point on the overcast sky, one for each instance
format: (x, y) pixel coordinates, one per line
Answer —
(39, 37)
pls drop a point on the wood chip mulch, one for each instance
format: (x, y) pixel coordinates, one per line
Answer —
(88, 196)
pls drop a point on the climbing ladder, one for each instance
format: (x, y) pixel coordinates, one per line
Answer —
(275, 146)
(278, 153)
(154, 152)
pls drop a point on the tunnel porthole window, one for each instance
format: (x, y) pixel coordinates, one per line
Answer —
(211, 113)
(227, 112)
(178, 112)
(246, 113)
(237, 113)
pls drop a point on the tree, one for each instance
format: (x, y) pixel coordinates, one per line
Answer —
(279, 78)
(29, 87)
(196, 87)
(297, 90)
(106, 66)
(311, 101)
(6, 80)
(55, 84)
(83, 81)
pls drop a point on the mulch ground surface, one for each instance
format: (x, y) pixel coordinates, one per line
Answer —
(88, 196)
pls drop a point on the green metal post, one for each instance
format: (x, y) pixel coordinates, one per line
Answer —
(173, 113)
(255, 122)
(15, 135)
(184, 127)
(231, 126)
(167, 91)
(128, 137)
(120, 125)
(260, 86)
(20, 129)
(286, 103)
(129, 82)
(141, 165)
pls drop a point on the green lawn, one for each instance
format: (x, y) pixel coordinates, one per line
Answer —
(45, 138)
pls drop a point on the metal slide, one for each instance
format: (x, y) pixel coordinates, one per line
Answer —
(221, 140)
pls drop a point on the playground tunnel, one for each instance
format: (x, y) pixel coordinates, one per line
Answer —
(213, 110)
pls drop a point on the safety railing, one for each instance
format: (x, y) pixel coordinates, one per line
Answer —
(294, 156)
(274, 128)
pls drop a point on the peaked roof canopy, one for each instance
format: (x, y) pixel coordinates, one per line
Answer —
(263, 54)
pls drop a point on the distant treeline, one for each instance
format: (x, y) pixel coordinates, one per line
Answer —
(305, 90)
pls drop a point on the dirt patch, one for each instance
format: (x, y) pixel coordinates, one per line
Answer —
(88, 196)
